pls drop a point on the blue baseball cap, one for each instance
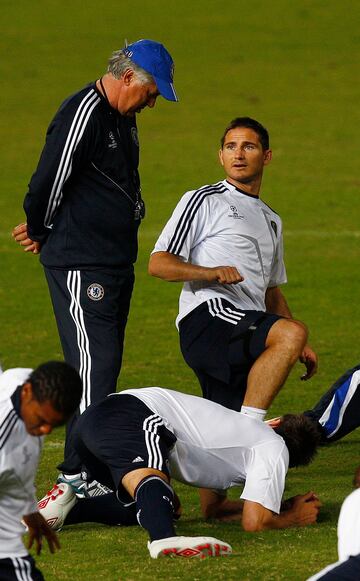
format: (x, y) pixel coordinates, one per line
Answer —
(154, 59)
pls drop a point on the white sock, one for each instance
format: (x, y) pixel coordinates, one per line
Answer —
(256, 413)
(71, 476)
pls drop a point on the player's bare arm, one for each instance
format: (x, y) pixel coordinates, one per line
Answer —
(300, 511)
(218, 506)
(276, 303)
(39, 528)
(171, 268)
(20, 235)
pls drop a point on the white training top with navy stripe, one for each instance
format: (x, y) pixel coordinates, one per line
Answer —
(219, 225)
(220, 448)
(349, 526)
(19, 455)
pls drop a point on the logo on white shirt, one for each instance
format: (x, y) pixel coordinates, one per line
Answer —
(27, 456)
(235, 214)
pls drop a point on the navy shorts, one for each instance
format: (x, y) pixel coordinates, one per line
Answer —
(220, 343)
(348, 570)
(118, 435)
(19, 568)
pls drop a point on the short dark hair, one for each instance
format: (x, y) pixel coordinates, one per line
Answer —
(249, 124)
(301, 436)
(58, 383)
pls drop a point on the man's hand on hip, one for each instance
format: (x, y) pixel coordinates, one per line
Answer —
(20, 235)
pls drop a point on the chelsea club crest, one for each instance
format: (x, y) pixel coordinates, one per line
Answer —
(95, 291)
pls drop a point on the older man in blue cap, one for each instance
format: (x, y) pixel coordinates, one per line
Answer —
(83, 208)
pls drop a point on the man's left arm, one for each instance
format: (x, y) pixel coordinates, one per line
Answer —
(276, 303)
(299, 511)
(215, 504)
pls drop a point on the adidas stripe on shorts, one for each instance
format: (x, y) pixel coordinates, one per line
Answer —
(19, 569)
(118, 435)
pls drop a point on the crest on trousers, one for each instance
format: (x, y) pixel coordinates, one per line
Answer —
(95, 291)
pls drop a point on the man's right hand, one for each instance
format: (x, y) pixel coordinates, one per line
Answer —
(305, 509)
(224, 275)
(20, 235)
(172, 268)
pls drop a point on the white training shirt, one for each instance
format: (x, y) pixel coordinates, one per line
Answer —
(220, 448)
(19, 456)
(348, 533)
(349, 526)
(219, 225)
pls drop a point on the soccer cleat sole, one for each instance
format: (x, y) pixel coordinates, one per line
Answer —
(201, 551)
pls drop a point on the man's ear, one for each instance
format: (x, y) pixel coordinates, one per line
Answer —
(26, 392)
(128, 77)
(221, 157)
(267, 156)
(274, 422)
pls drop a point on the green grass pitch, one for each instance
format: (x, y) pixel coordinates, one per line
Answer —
(293, 66)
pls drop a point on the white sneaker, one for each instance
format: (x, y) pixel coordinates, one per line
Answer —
(190, 547)
(56, 505)
(83, 488)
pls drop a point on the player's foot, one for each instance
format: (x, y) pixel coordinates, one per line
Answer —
(83, 488)
(56, 505)
(197, 547)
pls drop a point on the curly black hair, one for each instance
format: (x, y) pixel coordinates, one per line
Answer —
(59, 383)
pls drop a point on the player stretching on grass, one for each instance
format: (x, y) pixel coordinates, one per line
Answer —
(135, 440)
(32, 403)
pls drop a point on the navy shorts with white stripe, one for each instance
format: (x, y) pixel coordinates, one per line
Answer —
(19, 569)
(118, 435)
(220, 343)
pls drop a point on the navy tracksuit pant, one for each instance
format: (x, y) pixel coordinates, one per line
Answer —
(338, 411)
(91, 309)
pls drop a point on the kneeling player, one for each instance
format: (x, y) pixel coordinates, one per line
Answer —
(32, 403)
(132, 442)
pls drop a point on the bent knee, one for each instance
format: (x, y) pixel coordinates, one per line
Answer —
(251, 525)
(290, 331)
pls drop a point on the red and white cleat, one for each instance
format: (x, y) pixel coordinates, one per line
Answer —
(56, 505)
(189, 547)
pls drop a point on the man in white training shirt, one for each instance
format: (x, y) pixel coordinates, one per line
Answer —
(135, 441)
(236, 330)
(225, 244)
(32, 403)
(347, 567)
